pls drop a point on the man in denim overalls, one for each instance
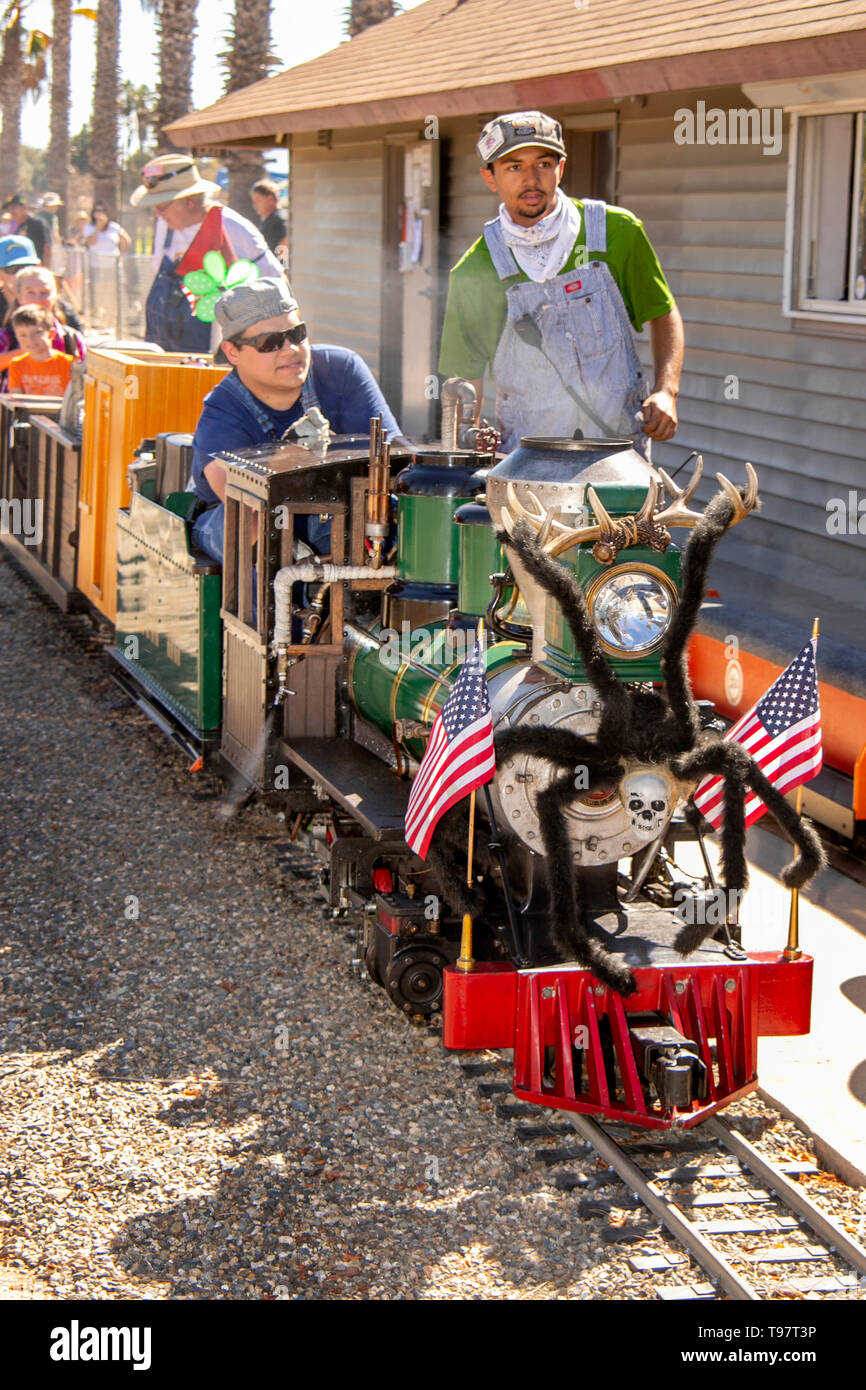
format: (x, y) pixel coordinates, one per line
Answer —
(546, 301)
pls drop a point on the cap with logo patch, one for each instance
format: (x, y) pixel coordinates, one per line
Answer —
(518, 130)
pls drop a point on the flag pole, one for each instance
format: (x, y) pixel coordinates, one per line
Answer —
(792, 949)
(466, 962)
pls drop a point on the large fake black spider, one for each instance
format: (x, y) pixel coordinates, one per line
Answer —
(648, 727)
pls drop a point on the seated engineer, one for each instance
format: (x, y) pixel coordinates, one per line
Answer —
(276, 378)
(39, 369)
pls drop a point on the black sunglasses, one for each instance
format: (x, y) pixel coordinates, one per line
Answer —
(272, 342)
(159, 175)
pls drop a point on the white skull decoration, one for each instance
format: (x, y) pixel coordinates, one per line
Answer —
(647, 799)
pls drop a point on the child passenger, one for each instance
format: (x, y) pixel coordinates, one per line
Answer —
(39, 370)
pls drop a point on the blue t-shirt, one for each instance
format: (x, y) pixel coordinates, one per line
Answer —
(348, 394)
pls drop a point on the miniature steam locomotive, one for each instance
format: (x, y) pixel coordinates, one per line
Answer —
(315, 679)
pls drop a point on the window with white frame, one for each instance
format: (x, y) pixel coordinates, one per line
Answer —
(828, 247)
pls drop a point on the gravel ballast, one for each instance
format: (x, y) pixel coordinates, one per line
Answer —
(200, 1100)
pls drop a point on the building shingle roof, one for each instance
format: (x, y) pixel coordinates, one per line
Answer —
(454, 57)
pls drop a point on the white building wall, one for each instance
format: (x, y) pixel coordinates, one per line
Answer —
(716, 217)
(335, 241)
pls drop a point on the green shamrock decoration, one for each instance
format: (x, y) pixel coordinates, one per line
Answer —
(211, 282)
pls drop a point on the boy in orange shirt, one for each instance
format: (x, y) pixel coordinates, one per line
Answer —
(39, 370)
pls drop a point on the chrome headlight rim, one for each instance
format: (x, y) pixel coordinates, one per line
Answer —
(635, 567)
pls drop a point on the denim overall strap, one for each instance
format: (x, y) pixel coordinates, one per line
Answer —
(595, 222)
(169, 320)
(234, 384)
(308, 390)
(503, 262)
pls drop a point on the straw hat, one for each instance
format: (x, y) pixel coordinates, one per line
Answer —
(170, 177)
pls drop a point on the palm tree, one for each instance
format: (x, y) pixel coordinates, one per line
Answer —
(363, 14)
(11, 92)
(17, 76)
(138, 104)
(104, 161)
(247, 60)
(57, 169)
(176, 23)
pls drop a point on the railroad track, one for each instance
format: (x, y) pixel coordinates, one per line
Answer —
(738, 1215)
(734, 1212)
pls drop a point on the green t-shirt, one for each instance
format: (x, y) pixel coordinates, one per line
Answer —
(476, 311)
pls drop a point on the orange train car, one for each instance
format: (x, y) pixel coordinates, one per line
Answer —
(129, 396)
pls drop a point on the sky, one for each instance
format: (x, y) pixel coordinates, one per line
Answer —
(299, 30)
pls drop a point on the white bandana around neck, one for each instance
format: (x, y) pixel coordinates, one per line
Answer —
(542, 249)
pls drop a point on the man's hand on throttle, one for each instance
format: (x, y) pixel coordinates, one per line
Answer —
(660, 415)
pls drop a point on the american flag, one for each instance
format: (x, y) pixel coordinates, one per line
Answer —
(783, 734)
(459, 754)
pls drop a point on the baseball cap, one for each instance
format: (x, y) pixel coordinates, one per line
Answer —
(516, 131)
(240, 308)
(17, 251)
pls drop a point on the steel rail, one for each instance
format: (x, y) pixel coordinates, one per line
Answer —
(789, 1192)
(647, 1190)
(667, 1211)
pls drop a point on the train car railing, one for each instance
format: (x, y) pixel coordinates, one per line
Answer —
(39, 466)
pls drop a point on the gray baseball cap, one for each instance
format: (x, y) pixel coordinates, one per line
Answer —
(238, 309)
(517, 130)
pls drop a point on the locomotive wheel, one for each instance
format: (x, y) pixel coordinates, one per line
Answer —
(414, 980)
(372, 963)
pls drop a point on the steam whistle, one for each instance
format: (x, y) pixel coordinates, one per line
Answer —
(378, 492)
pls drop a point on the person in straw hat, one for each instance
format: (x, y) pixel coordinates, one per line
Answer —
(190, 222)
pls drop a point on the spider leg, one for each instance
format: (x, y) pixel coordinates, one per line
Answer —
(730, 761)
(569, 932)
(696, 561)
(559, 746)
(558, 581)
(810, 857)
(740, 771)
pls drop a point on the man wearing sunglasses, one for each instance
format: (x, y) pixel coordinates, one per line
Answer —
(277, 378)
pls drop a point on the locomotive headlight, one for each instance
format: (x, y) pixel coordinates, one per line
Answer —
(631, 609)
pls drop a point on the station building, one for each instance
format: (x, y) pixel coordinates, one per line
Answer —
(738, 136)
